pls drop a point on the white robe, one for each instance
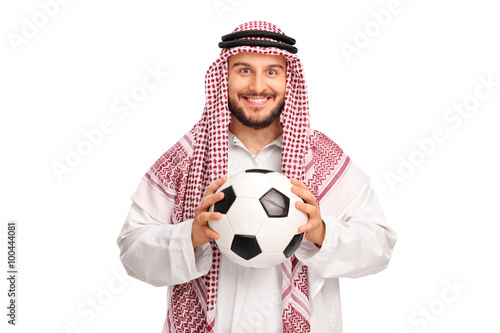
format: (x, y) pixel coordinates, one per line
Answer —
(358, 242)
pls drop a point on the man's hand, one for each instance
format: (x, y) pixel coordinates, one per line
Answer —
(201, 232)
(315, 227)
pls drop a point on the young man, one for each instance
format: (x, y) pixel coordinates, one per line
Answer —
(256, 116)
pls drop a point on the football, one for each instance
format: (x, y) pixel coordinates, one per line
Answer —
(259, 220)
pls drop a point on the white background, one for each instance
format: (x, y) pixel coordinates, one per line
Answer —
(65, 78)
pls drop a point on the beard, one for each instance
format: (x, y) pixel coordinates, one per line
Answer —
(238, 112)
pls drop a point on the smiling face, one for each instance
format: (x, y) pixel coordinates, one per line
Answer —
(256, 88)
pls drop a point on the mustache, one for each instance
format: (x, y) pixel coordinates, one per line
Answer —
(253, 94)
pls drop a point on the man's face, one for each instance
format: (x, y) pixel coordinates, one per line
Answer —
(256, 88)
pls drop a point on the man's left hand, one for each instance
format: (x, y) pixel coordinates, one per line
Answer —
(315, 227)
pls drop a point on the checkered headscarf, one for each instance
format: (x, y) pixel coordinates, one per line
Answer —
(193, 304)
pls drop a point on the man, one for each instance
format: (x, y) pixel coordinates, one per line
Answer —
(256, 116)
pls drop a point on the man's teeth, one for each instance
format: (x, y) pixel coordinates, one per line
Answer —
(257, 100)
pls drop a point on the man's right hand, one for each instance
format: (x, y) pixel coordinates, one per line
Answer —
(201, 232)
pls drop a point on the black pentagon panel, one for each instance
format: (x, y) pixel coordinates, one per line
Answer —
(246, 246)
(293, 245)
(226, 202)
(258, 171)
(275, 203)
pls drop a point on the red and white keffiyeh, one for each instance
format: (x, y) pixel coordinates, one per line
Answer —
(200, 157)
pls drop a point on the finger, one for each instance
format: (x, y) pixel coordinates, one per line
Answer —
(209, 233)
(304, 194)
(305, 228)
(210, 199)
(207, 216)
(215, 185)
(298, 183)
(306, 208)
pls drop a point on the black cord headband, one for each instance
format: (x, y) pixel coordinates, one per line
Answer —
(235, 39)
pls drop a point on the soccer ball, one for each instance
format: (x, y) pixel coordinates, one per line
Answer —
(259, 220)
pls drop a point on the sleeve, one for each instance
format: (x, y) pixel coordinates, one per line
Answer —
(159, 253)
(357, 243)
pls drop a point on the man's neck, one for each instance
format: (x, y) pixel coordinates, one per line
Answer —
(254, 139)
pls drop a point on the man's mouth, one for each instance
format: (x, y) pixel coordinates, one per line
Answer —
(257, 101)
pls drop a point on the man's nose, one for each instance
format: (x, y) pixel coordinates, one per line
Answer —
(258, 83)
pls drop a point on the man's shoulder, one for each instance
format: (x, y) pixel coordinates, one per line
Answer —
(182, 149)
(320, 142)
(329, 167)
(174, 163)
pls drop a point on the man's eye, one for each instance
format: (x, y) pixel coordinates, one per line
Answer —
(245, 71)
(271, 72)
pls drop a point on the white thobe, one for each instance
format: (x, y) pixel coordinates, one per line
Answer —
(249, 300)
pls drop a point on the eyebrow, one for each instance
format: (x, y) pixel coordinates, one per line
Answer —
(241, 63)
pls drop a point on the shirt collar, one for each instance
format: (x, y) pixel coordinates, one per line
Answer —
(233, 139)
